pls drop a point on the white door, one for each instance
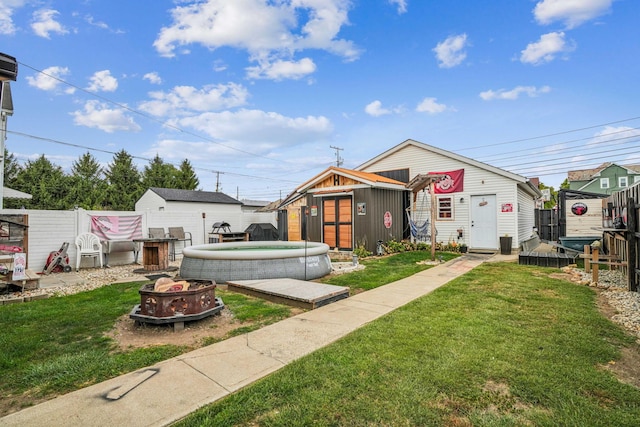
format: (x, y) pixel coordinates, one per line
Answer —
(484, 222)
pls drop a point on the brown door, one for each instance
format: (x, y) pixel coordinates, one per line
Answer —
(337, 222)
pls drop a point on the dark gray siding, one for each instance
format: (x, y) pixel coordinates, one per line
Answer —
(369, 228)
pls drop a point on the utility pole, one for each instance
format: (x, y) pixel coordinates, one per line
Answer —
(339, 160)
(217, 182)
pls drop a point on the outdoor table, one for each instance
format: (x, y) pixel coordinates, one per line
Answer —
(155, 253)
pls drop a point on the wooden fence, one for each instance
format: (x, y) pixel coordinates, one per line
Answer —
(621, 231)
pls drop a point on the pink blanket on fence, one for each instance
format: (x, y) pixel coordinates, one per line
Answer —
(117, 227)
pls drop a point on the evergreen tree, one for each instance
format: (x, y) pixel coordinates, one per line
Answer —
(88, 187)
(123, 179)
(11, 169)
(159, 174)
(186, 178)
(46, 182)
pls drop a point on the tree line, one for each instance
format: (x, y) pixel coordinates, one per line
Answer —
(89, 185)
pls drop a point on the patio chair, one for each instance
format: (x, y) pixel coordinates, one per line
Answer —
(157, 233)
(180, 235)
(88, 245)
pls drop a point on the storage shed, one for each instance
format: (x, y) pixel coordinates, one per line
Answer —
(346, 209)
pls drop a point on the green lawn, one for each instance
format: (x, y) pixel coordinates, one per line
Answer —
(503, 345)
(57, 345)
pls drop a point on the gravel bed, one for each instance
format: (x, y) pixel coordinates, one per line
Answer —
(613, 285)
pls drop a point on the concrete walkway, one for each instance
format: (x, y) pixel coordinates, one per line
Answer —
(168, 391)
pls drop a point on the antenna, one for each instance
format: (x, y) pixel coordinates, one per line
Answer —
(339, 160)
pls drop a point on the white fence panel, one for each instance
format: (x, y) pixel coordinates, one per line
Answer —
(48, 229)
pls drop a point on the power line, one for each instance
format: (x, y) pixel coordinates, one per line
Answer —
(84, 147)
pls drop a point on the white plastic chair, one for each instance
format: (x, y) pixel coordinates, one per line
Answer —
(88, 245)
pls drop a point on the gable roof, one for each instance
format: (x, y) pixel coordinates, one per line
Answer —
(175, 195)
(587, 174)
(410, 142)
(367, 179)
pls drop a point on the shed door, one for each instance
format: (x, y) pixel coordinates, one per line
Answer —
(337, 222)
(484, 222)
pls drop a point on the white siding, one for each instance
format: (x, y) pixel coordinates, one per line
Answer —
(526, 216)
(150, 200)
(477, 182)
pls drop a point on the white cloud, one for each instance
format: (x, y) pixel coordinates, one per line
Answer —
(451, 51)
(153, 77)
(430, 106)
(7, 7)
(514, 93)
(572, 12)
(258, 131)
(268, 31)
(375, 109)
(402, 5)
(102, 81)
(546, 49)
(280, 69)
(614, 135)
(49, 79)
(44, 23)
(180, 98)
(98, 115)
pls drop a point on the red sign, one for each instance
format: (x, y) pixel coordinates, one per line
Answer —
(387, 219)
(507, 207)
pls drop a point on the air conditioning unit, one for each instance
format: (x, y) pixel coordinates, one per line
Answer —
(8, 67)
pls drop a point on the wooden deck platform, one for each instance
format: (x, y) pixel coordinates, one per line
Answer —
(297, 293)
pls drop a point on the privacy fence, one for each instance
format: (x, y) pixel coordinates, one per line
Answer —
(48, 230)
(621, 231)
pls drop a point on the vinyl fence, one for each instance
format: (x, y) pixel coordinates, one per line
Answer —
(49, 229)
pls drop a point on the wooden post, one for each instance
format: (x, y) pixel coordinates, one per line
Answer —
(632, 245)
(432, 191)
(594, 255)
(587, 261)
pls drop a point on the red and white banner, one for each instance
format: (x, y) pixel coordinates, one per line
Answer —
(117, 227)
(453, 182)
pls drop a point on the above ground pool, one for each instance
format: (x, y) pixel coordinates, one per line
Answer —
(224, 262)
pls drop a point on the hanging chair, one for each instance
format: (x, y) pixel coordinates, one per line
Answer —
(419, 230)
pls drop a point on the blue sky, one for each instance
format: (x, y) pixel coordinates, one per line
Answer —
(255, 93)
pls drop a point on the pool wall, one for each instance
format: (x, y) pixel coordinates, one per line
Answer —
(224, 262)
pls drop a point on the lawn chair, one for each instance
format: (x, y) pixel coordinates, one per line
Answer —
(180, 235)
(157, 233)
(88, 245)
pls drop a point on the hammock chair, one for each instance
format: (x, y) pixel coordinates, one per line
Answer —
(420, 230)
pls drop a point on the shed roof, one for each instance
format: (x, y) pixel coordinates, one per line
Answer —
(194, 196)
(368, 179)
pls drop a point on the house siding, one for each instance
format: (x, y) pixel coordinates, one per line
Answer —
(477, 182)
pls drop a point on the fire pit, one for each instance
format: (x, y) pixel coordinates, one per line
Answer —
(177, 306)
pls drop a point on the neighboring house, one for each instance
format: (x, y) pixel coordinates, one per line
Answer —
(345, 209)
(605, 179)
(253, 205)
(169, 199)
(476, 204)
